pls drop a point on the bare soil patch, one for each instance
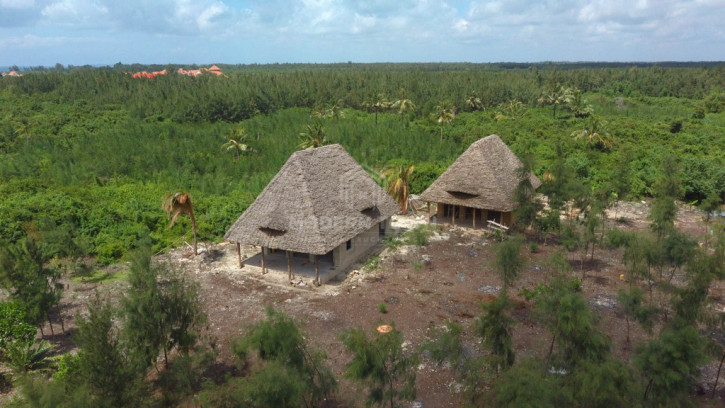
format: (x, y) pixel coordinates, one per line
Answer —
(422, 288)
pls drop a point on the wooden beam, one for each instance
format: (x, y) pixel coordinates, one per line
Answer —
(289, 266)
(453, 214)
(474, 218)
(317, 272)
(239, 254)
(262, 260)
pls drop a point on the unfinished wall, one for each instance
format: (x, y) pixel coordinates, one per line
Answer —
(361, 244)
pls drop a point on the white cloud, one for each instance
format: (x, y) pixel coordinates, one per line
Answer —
(377, 30)
(76, 13)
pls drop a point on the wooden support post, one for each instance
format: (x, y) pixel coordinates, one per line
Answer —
(474, 218)
(262, 260)
(239, 254)
(453, 214)
(317, 272)
(427, 204)
(289, 266)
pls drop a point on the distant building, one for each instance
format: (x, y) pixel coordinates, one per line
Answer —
(194, 72)
(181, 71)
(321, 207)
(479, 186)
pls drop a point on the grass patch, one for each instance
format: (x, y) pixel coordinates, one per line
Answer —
(101, 276)
(392, 242)
(371, 264)
(382, 308)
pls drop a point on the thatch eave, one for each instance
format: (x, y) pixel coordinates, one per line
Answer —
(485, 176)
(319, 198)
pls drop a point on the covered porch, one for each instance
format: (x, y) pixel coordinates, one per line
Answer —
(470, 217)
(290, 265)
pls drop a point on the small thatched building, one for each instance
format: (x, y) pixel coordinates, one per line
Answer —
(479, 186)
(321, 206)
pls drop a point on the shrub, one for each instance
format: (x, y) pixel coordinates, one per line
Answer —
(382, 308)
(380, 363)
(418, 236)
(424, 175)
(13, 326)
(281, 345)
(23, 356)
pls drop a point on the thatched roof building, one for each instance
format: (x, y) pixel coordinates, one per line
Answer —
(484, 177)
(319, 200)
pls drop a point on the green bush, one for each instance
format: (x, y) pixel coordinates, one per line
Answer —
(68, 366)
(418, 236)
(13, 326)
(715, 102)
(281, 345)
(381, 365)
(424, 175)
(23, 356)
(382, 308)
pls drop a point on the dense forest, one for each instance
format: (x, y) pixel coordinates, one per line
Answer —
(88, 154)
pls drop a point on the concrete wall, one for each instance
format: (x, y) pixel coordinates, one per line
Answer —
(361, 244)
(341, 256)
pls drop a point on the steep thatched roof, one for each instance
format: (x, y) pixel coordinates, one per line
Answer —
(319, 199)
(484, 177)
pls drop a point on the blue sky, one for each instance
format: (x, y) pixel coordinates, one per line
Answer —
(79, 32)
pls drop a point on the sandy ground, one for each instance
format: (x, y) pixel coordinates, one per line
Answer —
(422, 288)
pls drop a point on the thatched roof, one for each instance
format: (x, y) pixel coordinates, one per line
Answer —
(318, 200)
(483, 177)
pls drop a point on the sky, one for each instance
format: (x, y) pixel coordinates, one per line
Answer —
(104, 32)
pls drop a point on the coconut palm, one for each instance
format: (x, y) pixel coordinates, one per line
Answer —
(579, 106)
(22, 128)
(595, 132)
(445, 114)
(238, 142)
(333, 112)
(513, 109)
(556, 97)
(336, 110)
(403, 105)
(314, 136)
(179, 203)
(378, 103)
(397, 184)
(474, 103)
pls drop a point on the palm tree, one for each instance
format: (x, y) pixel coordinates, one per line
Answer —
(378, 103)
(238, 142)
(335, 111)
(179, 203)
(474, 103)
(513, 109)
(22, 127)
(403, 105)
(595, 132)
(557, 97)
(313, 138)
(397, 181)
(579, 106)
(445, 114)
